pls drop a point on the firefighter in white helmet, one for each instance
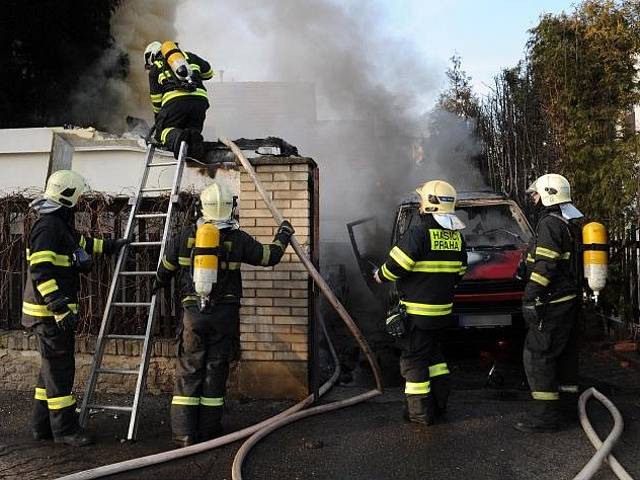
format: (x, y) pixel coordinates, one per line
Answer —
(179, 104)
(427, 263)
(56, 255)
(551, 305)
(209, 337)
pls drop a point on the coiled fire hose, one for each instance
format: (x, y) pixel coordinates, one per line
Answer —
(603, 449)
(171, 455)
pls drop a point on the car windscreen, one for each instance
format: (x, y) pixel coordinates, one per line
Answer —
(491, 226)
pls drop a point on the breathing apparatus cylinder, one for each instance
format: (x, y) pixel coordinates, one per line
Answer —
(205, 261)
(595, 256)
(177, 61)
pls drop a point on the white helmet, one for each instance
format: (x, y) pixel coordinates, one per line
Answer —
(217, 202)
(438, 198)
(553, 189)
(151, 52)
(64, 187)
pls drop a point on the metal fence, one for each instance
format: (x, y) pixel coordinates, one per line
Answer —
(102, 217)
(623, 286)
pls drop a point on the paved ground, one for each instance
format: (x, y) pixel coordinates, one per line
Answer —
(362, 442)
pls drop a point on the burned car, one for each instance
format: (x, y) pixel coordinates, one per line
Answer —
(497, 234)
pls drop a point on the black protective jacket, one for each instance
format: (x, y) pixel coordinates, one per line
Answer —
(164, 87)
(554, 261)
(427, 263)
(237, 247)
(51, 271)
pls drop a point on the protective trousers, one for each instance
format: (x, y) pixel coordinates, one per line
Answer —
(54, 411)
(206, 345)
(180, 120)
(425, 372)
(550, 359)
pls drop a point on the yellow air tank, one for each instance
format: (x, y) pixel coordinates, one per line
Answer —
(176, 60)
(595, 258)
(205, 261)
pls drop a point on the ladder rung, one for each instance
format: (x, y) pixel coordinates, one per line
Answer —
(138, 273)
(119, 371)
(147, 190)
(162, 164)
(114, 336)
(115, 408)
(131, 304)
(151, 215)
(144, 244)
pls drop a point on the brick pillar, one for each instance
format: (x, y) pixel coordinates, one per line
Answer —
(274, 317)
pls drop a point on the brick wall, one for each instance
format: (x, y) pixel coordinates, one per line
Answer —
(275, 312)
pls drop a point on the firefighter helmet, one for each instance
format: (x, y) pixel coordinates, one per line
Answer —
(553, 189)
(438, 198)
(217, 202)
(151, 52)
(64, 187)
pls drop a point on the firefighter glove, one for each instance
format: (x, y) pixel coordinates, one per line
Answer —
(68, 322)
(530, 313)
(286, 228)
(57, 303)
(119, 243)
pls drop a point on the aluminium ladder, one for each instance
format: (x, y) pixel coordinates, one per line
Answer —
(104, 336)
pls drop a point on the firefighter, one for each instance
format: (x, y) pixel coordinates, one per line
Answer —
(56, 255)
(179, 104)
(209, 337)
(427, 263)
(551, 305)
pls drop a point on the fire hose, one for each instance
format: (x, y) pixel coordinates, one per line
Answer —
(171, 455)
(603, 449)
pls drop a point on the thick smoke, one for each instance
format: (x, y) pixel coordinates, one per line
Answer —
(372, 99)
(117, 84)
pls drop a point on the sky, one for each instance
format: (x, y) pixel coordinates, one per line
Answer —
(488, 34)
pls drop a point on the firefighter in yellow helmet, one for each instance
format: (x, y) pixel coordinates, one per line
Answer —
(179, 99)
(551, 306)
(209, 337)
(56, 255)
(427, 263)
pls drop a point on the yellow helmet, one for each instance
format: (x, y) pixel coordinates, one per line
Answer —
(553, 189)
(151, 52)
(64, 187)
(216, 202)
(437, 196)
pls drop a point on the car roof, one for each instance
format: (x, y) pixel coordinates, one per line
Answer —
(463, 196)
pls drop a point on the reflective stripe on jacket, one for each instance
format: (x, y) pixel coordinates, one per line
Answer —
(237, 247)
(427, 263)
(49, 255)
(163, 89)
(554, 261)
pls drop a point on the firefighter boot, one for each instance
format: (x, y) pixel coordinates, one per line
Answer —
(210, 422)
(543, 417)
(420, 409)
(77, 439)
(440, 389)
(40, 425)
(568, 408)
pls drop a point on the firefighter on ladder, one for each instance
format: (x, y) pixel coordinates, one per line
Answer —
(56, 255)
(427, 263)
(178, 96)
(209, 334)
(551, 306)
